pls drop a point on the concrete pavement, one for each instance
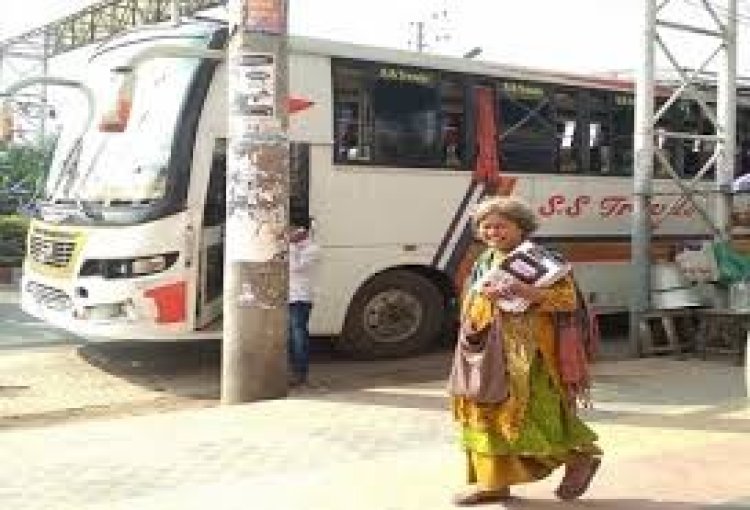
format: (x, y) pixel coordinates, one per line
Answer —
(676, 436)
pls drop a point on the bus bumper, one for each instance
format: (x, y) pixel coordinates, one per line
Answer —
(125, 314)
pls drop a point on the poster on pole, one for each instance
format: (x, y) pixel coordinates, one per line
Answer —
(253, 85)
(266, 16)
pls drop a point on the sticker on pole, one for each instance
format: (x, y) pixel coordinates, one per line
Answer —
(267, 16)
(254, 84)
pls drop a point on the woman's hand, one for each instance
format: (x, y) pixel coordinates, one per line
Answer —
(512, 289)
(526, 291)
(494, 292)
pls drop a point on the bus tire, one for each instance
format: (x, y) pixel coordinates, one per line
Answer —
(395, 314)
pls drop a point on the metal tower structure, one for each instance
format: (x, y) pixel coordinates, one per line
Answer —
(29, 54)
(721, 33)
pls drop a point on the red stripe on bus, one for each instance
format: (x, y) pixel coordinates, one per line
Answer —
(620, 251)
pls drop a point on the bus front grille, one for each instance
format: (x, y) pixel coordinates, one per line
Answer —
(51, 251)
(50, 297)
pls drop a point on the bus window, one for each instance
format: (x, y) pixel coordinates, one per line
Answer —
(598, 148)
(623, 121)
(567, 136)
(742, 165)
(686, 157)
(569, 132)
(598, 134)
(672, 149)
(527, 136)
(453, 121)
(697, 152)
(214, 211)
(351, 111)
(387, 115)
(214, 215)
(405, 123)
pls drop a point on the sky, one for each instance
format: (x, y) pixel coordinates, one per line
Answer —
(573, 35)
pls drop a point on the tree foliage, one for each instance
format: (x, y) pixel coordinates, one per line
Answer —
(23, 166)
(12, 240)
(22, 171)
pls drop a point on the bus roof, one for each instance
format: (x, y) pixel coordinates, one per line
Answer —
(348, 50)
(316, 46)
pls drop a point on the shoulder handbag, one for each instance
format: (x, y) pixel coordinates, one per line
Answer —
(478, 370)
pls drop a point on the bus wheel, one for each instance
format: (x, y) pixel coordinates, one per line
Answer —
(396, 313)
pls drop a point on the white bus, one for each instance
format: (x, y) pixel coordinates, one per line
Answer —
(387, 159)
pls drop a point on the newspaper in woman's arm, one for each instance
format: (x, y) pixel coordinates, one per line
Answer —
(529, 263)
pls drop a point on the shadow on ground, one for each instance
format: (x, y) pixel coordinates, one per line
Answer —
(183, 369)
(193, 369)
(664, 391)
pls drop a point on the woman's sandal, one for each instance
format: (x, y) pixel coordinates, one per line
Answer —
(578, 476)
(479, 496)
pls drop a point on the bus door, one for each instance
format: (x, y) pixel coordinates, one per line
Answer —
(211, 262)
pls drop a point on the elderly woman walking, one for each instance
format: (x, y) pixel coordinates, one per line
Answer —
(515, 410)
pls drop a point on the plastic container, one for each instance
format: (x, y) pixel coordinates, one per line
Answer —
(670, 289)
(739, 296)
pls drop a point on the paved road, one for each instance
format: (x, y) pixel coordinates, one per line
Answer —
(674, 434)
(370, 436)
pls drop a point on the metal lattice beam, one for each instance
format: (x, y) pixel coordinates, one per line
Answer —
(94, 24)
(29, 54)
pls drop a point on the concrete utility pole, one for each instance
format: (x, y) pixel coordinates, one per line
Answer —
(254, 363)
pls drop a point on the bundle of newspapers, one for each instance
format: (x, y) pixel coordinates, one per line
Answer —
(529, 263)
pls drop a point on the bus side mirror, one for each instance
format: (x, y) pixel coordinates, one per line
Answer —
(6, 122)
(115, 119)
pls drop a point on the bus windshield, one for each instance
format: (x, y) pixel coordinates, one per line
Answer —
(130, 166)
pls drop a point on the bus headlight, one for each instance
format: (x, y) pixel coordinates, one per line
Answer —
(129, 268)
(149, 265)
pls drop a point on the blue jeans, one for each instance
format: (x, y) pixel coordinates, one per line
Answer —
(298, 340)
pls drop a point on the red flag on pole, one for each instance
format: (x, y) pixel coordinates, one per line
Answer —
(297, 104)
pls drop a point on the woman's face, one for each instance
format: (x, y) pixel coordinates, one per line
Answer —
(500, 232)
